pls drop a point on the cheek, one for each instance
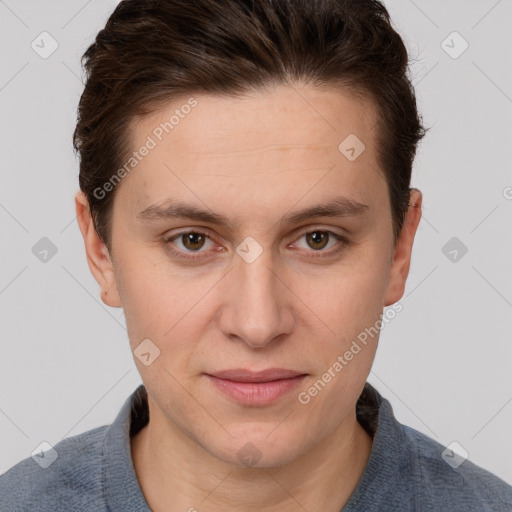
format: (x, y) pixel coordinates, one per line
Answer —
(152, 298)
(351, 308)
(163, 305)
(350, 296)
(348, 303)
(334, 302)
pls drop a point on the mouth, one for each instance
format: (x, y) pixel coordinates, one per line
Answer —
(255, 388)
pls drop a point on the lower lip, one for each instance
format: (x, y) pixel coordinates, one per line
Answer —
(256, 393)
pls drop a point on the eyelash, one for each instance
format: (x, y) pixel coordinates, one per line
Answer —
(198, 255)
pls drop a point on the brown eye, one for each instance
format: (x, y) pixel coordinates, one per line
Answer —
(317, 239)
(189, 244)
(321, 243)
(193, 240)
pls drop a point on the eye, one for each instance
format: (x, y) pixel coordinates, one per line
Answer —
(192, 240)
(317, 240)
(189, 243)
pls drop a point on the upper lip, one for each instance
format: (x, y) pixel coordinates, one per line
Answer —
(242, 375)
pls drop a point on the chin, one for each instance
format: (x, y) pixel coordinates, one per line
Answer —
(257, 451)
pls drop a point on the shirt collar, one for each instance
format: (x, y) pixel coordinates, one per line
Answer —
(120, 484)
(389, 457)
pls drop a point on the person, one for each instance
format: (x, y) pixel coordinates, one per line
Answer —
(245, 172)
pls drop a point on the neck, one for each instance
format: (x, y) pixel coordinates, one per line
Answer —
(190, 478)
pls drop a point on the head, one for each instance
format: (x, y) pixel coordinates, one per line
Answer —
(203, 130)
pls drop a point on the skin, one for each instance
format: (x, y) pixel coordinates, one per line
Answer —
(253, 159)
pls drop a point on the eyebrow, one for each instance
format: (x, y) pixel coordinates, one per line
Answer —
(170, 210)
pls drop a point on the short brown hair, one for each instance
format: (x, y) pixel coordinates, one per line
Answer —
(153, 51)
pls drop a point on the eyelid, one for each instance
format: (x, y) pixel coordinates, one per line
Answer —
(303, 230)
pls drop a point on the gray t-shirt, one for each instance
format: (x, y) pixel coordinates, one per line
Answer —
(406, 471)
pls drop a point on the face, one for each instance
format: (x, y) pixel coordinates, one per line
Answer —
(248, 284)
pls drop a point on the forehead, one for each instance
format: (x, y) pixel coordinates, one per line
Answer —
(308, 113)
(285, 140)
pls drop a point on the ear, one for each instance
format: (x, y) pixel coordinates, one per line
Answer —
(403, 250)
(98, 257)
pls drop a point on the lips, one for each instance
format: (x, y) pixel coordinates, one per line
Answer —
(255, 389)
(269, 375)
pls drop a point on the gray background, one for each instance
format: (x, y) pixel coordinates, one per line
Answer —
(444, 362)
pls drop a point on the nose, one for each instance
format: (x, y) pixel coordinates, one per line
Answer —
(256, 304)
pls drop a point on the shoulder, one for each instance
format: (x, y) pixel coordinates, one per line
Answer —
(68, 476)
(451, 482)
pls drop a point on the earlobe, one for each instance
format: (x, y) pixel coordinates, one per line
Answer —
(98, 257)
(402, 255)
